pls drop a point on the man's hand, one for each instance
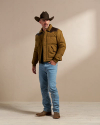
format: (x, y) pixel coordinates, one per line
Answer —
(52, 62)
(34, 69)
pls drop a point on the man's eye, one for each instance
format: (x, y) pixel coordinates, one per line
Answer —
(44, 20)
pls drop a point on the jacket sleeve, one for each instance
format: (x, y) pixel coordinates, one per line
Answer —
(61, 46)
(35, 54)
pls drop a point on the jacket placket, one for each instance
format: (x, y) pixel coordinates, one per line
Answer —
(44, 46)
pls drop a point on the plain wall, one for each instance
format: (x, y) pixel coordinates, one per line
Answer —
(78, 76)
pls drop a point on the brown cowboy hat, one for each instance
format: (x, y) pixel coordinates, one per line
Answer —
(43, 15)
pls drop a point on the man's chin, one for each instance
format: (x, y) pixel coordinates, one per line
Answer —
(45, 25)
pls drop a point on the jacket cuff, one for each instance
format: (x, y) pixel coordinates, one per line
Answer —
(33, 64)
(55, 60)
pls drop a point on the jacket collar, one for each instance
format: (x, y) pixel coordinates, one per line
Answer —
(48, 29)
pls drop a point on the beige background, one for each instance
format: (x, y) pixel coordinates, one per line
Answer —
(78, 76)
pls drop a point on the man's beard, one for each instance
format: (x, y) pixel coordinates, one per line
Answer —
(45, 26)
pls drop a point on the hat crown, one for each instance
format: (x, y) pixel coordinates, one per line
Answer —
(44, 14)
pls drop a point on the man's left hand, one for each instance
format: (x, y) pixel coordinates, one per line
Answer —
(52, 62)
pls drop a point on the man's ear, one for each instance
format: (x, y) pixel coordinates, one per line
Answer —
(40, 21)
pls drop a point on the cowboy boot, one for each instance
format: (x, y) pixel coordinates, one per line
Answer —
(43, 113)
(56, 115)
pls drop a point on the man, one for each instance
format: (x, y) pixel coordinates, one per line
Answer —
(49, 48)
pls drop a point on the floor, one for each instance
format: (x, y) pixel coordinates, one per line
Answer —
(72, 113)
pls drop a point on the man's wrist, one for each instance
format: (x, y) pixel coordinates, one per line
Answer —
(33, 64)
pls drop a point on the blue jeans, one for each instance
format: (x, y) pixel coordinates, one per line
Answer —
(47, 78)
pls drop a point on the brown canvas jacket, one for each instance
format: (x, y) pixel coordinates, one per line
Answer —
(53, 44)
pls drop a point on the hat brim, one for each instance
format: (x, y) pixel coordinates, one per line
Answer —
(38, 19)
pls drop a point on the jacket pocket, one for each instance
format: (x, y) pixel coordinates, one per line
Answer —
(52, 50)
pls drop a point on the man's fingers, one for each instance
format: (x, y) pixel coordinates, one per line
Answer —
(34, 71)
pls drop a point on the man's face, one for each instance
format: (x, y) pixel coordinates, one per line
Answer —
(44, 23)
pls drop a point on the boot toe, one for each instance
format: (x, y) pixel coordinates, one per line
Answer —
(56, 115)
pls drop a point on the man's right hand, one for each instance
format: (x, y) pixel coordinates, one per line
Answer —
(34, 69)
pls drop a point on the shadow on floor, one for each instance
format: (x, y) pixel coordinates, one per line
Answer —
(10, 107)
